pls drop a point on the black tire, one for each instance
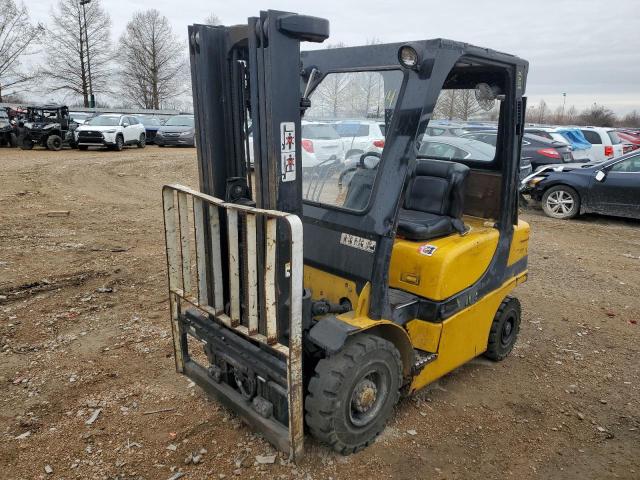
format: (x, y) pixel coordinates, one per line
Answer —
(54, 142)
(368, 369)
(561, 202)
(161, 145)
(13, 140)
(27, 144)
(83, 147)
(119, 143)
(504, 330)
(143, 141)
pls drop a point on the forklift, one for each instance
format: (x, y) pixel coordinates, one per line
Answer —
(306, 303)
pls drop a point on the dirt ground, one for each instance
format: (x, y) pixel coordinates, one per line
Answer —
(84, 332)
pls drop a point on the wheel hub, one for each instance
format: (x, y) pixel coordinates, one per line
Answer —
(364, 396)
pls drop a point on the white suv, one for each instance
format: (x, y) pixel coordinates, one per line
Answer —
(605, 141)
(359, 136)
(113, 131)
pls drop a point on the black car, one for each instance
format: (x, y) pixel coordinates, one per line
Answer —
(611, 187)
(537, 150)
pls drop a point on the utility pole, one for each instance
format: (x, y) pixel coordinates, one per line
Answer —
(92, 98)
(564, 101)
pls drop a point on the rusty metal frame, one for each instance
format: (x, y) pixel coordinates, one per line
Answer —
(184, 288)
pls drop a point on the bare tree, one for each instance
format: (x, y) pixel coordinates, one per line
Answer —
(631, 119)
(212, 19)
(447, 105)
(467, 105)
(18, 36)
(154, 62)
(571, 116)
(68, 59)
(598, 116)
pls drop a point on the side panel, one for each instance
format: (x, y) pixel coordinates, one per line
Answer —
(520, 243)
(440, 268)
(464, 336)
(324, 285)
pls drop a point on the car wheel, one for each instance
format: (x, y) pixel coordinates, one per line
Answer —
(352, 393)
(143, 141)
(54, 142)
(504, 330)
(561, 202)
(119, 143)
(27, 144)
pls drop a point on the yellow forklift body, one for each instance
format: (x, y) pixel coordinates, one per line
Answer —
(439, 268)
(461, 337)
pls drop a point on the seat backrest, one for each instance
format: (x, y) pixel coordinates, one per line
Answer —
(437, 187)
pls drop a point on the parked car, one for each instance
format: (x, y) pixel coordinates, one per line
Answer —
(435, 129)
(536, 151)
(323, 141)
(151, 126)
(456, 148)
(611, 187)
(630, 138)
(81, 117)
(359, 136)
(580, 147)
(320, 144)
(113, 131)
(605, 143)
(178, 130)
(7, 132)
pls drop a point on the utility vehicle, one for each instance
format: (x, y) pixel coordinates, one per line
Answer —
(304, 304)
(49, 126)
(7, 132)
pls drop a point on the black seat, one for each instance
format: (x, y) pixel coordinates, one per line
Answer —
(434, 201)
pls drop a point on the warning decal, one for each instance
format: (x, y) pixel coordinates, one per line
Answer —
(288, 151)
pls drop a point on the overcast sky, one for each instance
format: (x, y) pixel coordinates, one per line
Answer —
(586, 48)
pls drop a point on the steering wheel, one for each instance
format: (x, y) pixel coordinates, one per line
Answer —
(369, 154)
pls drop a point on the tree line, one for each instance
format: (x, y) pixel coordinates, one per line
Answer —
(146, 67)
(596, 115)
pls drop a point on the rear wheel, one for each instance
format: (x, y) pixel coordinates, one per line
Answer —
(352, 394)
(504, 329)
(143, 141)
(54, 142)
(561, 202)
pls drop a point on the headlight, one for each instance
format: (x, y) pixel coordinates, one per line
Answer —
(159, 133)
(408, 56)
(184, 134)
(535, 180)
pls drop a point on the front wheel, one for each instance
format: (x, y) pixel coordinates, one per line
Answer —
(352, 394)
(504, 329)
(119, 143)
(27, 144)
(142, 142)
(54, 142)
(561, 202)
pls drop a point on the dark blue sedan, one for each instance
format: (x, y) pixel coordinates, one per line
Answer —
(611, 187)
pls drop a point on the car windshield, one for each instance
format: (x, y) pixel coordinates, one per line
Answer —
(319, 131)
(104, 121)
(180, 122)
